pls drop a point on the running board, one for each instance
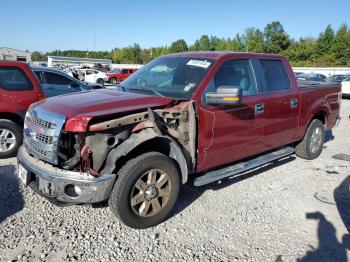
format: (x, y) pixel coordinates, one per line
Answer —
(241, 167)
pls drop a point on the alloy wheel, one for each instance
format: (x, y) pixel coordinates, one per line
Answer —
(7, 140)
(316, 140)
(150, 193)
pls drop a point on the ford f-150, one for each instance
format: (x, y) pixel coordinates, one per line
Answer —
(210, 115)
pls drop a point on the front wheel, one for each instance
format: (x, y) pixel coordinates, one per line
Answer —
(100, 81)
(312, 144)
(10, 138)
(146, 190)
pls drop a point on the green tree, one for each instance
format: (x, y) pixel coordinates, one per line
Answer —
(324, 41)
(37, 56)
(254, 40)
(302, 52)
(127, 55)
(341, 46)
(202, 44)
(178, 46)
(276, 39)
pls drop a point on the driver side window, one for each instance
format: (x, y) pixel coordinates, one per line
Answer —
(237, 73)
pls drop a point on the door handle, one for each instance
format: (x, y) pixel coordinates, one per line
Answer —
(259, 109)
(294, 103)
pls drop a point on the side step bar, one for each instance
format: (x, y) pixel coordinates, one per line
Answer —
(241, 167)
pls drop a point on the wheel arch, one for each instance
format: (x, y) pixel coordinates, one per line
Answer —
(320, 115)
(14, 117)
(142, 142)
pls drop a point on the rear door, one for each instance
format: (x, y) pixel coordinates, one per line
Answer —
(281, 105)
(231, 132)
(17, 91)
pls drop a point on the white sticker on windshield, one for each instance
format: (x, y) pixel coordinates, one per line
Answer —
(199, 63)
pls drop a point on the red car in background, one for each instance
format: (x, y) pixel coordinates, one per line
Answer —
(118, 75)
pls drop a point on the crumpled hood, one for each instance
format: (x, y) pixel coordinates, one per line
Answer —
(101, 102)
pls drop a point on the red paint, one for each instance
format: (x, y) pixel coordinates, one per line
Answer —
(81, 107)
(228, 134)
(17, 102)
(122, 75)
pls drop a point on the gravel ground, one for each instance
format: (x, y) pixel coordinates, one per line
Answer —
(288, 211)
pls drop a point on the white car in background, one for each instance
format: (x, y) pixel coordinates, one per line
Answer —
(93, 76)
(345, 87)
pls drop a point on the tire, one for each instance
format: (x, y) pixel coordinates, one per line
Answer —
(113, 81)
(125, 190)
(10, 138)
(308, 148)
(100, 81)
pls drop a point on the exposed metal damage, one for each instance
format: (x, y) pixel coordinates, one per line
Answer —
(97, 152)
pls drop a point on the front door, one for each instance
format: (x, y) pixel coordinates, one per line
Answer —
(229, 133)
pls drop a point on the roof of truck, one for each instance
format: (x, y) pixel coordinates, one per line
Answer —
(220, 54)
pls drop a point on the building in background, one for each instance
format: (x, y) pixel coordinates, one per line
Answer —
(11, 54)
(71, 61)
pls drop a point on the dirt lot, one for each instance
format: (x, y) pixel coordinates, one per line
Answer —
(287, 211)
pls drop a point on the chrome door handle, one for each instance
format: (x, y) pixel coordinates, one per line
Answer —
(294, 103)
(259, 109)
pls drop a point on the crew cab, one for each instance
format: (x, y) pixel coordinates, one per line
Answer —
(216, 114)
(118, 75)
(20, 86)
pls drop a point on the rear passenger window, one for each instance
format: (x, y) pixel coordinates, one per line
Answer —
(56, 79)
(237, 73)
(38, 75)
(275, 74)
(14, 79)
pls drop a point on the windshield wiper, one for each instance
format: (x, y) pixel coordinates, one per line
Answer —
(147, 90)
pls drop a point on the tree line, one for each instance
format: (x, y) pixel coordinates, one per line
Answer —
(330, 48)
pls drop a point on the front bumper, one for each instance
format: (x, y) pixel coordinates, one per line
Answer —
(62, 185)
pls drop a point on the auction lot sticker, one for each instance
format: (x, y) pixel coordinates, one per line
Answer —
(199, 63)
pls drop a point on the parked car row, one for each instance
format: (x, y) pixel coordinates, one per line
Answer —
(343, 79)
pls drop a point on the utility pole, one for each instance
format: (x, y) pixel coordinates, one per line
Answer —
(94, 43)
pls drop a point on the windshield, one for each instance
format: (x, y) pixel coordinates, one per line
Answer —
(176, 77)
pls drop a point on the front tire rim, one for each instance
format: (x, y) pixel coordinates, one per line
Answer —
(150, 193)
(7, 140)
(316, 140)
(113, 81)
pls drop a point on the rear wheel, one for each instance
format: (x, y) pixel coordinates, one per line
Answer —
(10, 138)
(146, 190)
(312, 144)
(113, 81)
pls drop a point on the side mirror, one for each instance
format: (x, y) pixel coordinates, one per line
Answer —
(225, 95)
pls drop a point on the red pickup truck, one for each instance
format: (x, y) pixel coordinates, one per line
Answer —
(208, 114)
(118, 75)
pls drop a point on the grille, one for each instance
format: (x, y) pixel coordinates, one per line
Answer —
(38, 150)
(44, 139)
(40, 122)
(42, 130)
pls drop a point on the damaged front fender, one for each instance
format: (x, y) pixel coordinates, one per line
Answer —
(139, 138)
